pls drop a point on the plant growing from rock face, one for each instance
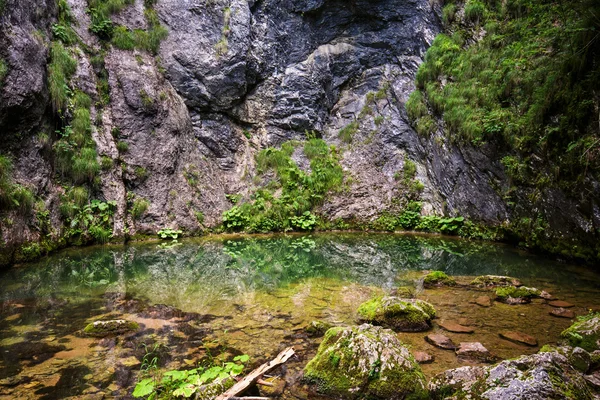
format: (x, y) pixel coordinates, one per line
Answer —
(168, 233)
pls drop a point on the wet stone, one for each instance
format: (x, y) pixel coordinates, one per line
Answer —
(423, 358)
(483, 301)
(473, 351)
(547, 296)
(110, 328)
(562, 313)
(317, 328)
(561, 304)
(441, 341)
(519, 337)
(452, 326)
(495, 280)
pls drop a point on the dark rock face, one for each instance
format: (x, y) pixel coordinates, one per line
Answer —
(234, 77)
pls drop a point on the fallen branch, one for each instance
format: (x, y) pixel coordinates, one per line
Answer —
(255, 375)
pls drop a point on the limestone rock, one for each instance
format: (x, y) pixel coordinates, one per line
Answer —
(364, 361)
(516, 295)
(407, 315)
(540, 376)
(585, 332)
(473, 351)
(317, 328)
(495, 280)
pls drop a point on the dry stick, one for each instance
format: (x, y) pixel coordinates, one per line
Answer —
(255, 375)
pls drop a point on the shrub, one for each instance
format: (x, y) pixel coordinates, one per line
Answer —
(3, 71)
(474, 11)
(123, 38)
(85, 166)
(347, 133)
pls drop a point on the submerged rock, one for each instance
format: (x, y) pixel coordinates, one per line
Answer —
(423, 358)
(317, 328)
(404, 292)
(438, 278)
(560, 304)
(483, 301)
(584, 333)
(452, 326)
(473, 351)
(110, 328)
(519, 337)
(516, 295)
(407, 315)
(562, 313)
(540, 376)
(441, 341)
(495, 280)
(364, 361)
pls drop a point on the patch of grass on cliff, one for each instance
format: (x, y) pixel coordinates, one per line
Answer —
(528, 86)
(287, 200)
(12, 195)
(3, 71)
(62, 66)
(147, 40)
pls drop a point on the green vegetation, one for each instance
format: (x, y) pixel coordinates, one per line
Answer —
(438, 278)
(585, 332)
(87, 222)
(2, 6)
(3, 71)
(122, 147)
(527, 86)
(168, 233)
(12, 195)
(521, 292)
(208, 381)
(408, 315)
(62, 66)
(298, 192)
(347, 133)
(139, 207)
(222, 45)
(62, 29)
(148, 40)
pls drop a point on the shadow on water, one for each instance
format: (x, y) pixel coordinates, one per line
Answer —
(249, 291)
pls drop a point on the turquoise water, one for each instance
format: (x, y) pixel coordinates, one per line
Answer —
(232, 295)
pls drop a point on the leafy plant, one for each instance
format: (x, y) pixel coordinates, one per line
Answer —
(306, 222)
(184, 383)
(168, 233)
(139, 208)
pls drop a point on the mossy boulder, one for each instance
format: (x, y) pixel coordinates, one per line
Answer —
(110, 328)
(406, 315)
(438, 278)
(495, 280)
(517, 295)
(585, 332)
(365, 362)
(541, 376)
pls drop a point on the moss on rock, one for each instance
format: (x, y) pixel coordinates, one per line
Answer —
(110, 328)
(317, 328)
(495, 280)
(408, 315)
(438, 278)
(517, 295)
(585, 332)
(365, 362)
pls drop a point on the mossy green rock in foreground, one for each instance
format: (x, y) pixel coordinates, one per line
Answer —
(438, 278)
(407, 315)
(585, 332)
(110, 328)
(365, 362)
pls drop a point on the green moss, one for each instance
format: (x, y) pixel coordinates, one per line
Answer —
(494, 280)
(317, 328)
(399, 314)
(438, 278)
(517, 292)
(585, 332)
(109, 328)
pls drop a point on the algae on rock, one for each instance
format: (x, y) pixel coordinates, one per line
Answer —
(438, 278)
(365, 362)
(408, 315)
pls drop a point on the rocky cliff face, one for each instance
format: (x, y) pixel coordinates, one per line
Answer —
(181, 128)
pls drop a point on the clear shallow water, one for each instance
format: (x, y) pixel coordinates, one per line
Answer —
(254, 295)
